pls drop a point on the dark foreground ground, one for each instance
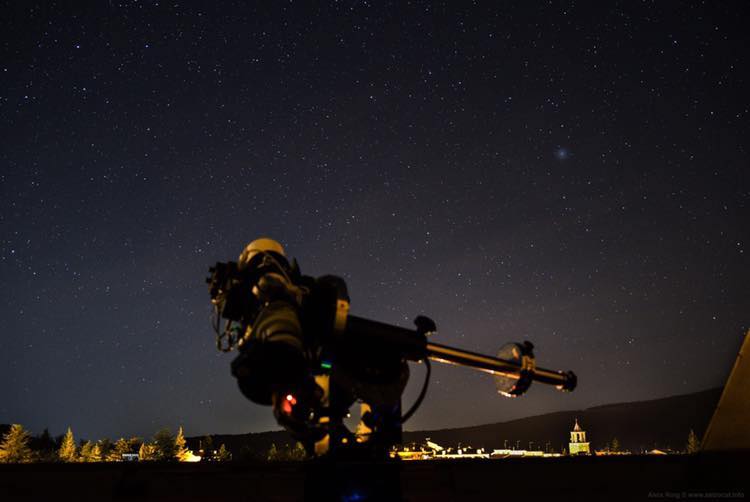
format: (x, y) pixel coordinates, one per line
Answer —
(699, 477)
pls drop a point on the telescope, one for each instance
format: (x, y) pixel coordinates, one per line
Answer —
(304, 354)
(514, 367)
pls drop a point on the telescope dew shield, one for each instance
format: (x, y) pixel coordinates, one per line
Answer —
(510, 372)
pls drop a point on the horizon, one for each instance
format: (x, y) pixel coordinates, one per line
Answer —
(406, 430)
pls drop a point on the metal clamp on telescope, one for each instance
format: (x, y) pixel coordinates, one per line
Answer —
(301, 352)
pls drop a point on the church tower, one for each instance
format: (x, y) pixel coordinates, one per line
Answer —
(578, 443)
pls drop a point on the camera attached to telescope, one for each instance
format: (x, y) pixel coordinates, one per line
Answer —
(300, 351)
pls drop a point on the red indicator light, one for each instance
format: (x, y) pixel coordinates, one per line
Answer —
(287, 404)
(286, 407)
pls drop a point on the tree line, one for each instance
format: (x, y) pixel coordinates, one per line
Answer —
(18, 446)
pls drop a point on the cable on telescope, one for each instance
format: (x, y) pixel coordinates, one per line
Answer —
(422, 393)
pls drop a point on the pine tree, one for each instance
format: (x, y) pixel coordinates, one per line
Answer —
(298, 453)
(181, 451)
(43, 447)
(207, 445)
(147, 452)
(14, 448)
(67, 451)
(615, 445)
(134, 443)
(90, 452)
(223, 454)
(85, 454)
(693, 445)
(165, 445)
(273, 453)
(121, 447)
(105, 447)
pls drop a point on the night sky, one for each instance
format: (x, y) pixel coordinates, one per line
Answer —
(572, 174)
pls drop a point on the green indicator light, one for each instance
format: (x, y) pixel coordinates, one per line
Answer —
(325, 365)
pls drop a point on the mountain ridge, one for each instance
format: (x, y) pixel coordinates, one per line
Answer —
(578, 410)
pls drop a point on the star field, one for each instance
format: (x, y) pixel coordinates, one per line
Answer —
(575, 174)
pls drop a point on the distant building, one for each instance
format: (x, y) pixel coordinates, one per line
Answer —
(429, 450)
(578, 444)
(191, 457)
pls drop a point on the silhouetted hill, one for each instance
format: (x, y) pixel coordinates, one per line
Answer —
(659, 423)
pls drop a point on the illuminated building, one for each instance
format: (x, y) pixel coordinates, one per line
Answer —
(578, 443)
